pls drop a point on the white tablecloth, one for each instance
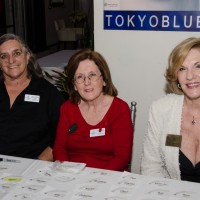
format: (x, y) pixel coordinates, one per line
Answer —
(58, 59)
(40, 180)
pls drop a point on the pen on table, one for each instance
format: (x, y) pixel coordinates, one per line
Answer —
(9, 160)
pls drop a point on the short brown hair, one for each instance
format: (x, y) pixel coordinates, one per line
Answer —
(102, 65)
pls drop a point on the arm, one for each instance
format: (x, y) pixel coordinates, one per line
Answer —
(47, 154)
(122, 131)
(152, 163)
(55, 101)
(60, 150)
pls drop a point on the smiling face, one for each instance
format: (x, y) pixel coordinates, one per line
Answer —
(91, 86)
(13, 60)
(189, 74)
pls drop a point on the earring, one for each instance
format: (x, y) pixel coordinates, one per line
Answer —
(179, 86)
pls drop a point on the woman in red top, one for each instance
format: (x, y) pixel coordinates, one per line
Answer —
(95, 126)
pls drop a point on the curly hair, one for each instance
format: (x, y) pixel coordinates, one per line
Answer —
(32, 66)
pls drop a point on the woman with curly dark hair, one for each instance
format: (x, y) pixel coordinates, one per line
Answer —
(29, 105)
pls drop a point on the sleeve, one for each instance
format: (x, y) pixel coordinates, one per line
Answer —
(55, 100)
(152, 163)
(122, 131)
(60, 150)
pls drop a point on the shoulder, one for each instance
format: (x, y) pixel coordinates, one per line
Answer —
(119, 102)
(69, 105)
(46, 89)
(169, 99)
(44, 83)
(120, 105)
(168, 102)
(41, 84)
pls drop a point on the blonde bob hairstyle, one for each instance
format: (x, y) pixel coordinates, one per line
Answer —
(176, 59)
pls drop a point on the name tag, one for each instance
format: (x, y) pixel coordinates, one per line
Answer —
(32, 98)
(96, 132)
(173, 140)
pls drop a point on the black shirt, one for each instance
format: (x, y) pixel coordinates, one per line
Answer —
(188, 171)
(29, 126)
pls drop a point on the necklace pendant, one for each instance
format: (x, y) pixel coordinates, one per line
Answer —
(193, 121)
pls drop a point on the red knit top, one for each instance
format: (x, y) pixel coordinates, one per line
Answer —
(111, 149)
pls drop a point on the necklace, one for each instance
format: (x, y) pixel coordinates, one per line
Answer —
(193, 121)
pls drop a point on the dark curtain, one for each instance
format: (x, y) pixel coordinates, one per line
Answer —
(2, 18)
(29, 20)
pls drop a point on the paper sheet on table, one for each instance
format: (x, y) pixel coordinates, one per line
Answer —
(133, 186)
(70, 167)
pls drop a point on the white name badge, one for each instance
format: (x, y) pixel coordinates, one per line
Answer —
(96, 132)
(32, 98)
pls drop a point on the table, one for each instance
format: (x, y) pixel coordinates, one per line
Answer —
(34, 179)
(58, 59)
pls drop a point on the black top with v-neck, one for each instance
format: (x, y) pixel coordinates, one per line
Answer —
(189, 172)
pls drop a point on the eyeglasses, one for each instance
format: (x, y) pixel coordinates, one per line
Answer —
(5, 57)
(80, 78)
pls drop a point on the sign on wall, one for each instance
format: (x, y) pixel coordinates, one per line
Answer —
(152, 15)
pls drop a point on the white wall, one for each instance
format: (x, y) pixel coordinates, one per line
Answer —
(137, 61)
